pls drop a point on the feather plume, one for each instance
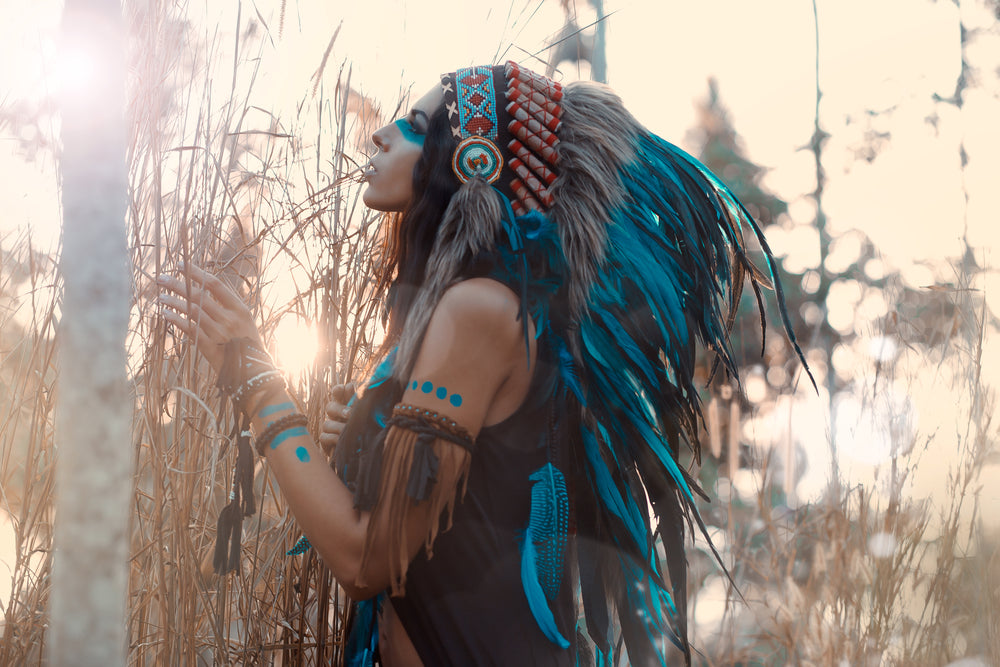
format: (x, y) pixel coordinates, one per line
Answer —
(543, 547)
(657, 261)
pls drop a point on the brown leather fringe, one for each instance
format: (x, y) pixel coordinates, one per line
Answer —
(392, 510)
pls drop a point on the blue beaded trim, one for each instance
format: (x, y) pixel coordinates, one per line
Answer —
(477, 102)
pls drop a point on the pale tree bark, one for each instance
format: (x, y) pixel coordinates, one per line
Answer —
(93, 411)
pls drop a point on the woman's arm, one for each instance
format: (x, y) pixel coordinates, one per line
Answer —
(473, 350)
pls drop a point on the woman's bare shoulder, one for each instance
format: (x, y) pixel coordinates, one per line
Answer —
(482, 296)
(487, 309)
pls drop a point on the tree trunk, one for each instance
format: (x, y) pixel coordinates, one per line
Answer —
(94, 406)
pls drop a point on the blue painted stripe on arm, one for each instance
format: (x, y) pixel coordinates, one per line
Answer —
(290, 433)
(273, 409)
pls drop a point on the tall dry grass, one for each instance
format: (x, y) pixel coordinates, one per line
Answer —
(28, 375)
(272, 205)
(269, 204)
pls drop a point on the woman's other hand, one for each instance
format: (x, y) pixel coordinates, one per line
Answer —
(207, 310)
(337, 412)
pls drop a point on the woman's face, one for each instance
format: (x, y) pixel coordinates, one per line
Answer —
(390, 170)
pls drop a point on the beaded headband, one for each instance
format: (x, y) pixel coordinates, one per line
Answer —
(507, 140)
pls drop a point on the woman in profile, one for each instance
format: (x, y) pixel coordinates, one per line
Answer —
(511, 465)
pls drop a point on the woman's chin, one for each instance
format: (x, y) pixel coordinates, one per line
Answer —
(373, 201)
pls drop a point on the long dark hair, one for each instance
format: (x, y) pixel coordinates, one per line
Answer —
(412, 233)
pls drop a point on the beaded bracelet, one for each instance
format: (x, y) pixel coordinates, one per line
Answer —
(257, 383)
(285, 423)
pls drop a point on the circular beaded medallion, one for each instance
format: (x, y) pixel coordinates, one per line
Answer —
(477, 156)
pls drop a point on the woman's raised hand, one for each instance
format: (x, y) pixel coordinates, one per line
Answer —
(337, 412)
(208, 311)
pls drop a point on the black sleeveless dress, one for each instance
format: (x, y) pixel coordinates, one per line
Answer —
(466, 605)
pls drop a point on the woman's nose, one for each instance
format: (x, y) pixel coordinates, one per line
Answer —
(379, 138)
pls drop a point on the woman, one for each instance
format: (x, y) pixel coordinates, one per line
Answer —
(552, 265)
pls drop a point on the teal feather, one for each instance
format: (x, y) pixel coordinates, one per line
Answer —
(362, 643)
(302, 545)
(673, 270)
(567, 370)
(543, 547)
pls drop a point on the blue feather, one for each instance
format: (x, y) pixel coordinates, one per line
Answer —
(543, 547)
(536, 596)
(363, 640)
(673, 267)
(567, 370)
(302, 545)
(384, 370)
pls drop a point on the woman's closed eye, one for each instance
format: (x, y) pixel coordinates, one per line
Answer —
(410, 130)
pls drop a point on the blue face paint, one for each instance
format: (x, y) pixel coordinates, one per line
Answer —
(409, 133)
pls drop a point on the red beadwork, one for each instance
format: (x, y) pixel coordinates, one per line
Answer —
(542, 84)
(474, 79)
(519, 92)
(479, 125)
(525, 195)
(531, 181)
(535, 113)
(529, 158)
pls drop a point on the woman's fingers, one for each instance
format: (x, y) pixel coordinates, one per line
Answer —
(199, 319)
(182, 323)
(339, 407)
(206, 310)
(218, 289)
(343, 392)
(330, 434)
(201, 291)
(193, 293)
(337, 411)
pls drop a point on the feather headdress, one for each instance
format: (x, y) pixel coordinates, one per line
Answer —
(653, 262)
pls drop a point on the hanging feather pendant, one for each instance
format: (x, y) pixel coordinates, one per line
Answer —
(301, 546)
(542, 551)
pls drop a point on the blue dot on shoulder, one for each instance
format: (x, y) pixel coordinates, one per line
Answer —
(441, 393)
(455, 400)
(414, 385)
(303, 454)
(427, 387)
